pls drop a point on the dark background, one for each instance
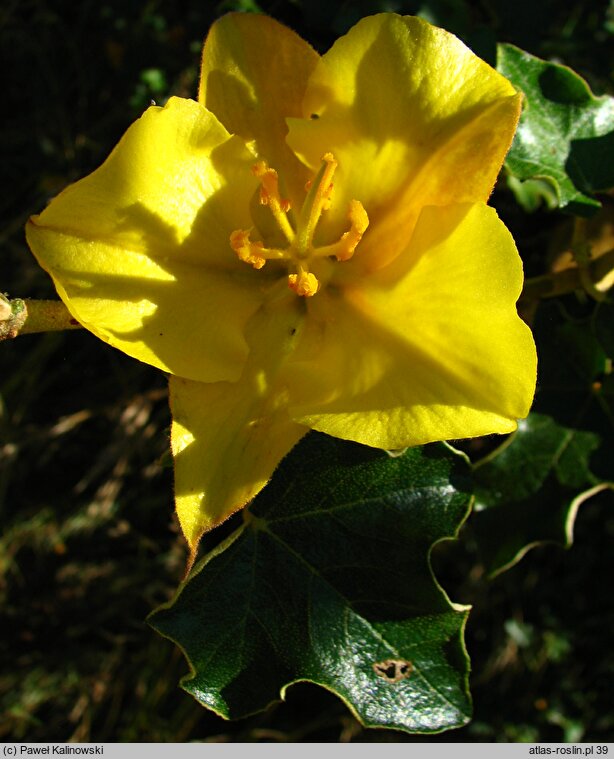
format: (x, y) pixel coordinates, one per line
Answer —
(89, 544)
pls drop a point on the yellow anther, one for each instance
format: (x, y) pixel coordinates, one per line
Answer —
(253, 253)
(269, 196)
(304, 283)
(344, 248)
(247, 250)
(359, 222)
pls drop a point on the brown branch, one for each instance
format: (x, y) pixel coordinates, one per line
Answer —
(568, 280)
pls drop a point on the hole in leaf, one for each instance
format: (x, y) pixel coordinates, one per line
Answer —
(393, 670)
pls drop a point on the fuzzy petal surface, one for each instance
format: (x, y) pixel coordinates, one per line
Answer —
(254, 73)
(401, 325)
(227, 438)
(413, 117)
(430, 349)
(139, 252)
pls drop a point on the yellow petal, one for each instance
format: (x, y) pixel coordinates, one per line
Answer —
(139, 250)
(429, 349)
(254, 74)
(227, 438)
(413, 117)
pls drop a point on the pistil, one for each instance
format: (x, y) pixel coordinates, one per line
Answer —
(318, 199)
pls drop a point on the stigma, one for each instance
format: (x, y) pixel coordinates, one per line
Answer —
(300, 251)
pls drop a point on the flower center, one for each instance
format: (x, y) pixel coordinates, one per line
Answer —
(300, 251)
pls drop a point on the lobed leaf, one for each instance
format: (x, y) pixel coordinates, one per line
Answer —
(566, 134)
(328, 580)
(529, 490)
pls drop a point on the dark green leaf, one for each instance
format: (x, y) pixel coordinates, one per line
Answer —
(574, 375)
(566, 134)
(329, 581)
(528, 491)
(604, 326)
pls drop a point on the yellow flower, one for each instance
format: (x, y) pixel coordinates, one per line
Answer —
(307, 246)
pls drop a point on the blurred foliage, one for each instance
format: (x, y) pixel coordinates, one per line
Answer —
(563, 453)
(89, 546)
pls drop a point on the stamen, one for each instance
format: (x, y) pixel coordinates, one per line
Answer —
(269, 196)
(344, 248)
(300, 252)
(253, 253)
(318, 199)
(304, 283)
(246, 249)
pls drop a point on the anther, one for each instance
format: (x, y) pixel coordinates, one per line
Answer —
(269, 196)
(359, 222)
(304, 283)
(246, 249)
(250, 252)
(344, 248)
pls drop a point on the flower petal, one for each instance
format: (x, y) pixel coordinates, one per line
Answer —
(139, 250)
(253, 75)
(431, 349)
(227, 438)
(413, 117)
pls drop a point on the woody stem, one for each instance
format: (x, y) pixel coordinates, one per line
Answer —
(20, 317)
(568, 280)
